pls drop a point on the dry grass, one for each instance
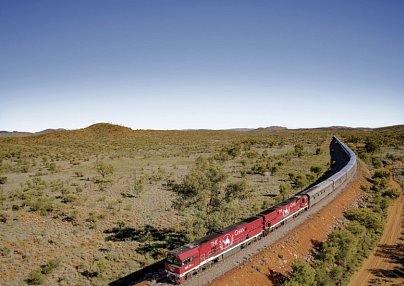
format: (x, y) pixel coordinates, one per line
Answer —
(53, 204)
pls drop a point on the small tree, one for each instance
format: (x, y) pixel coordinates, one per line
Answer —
(104, 169)
(236, 190)
(137, 186)
(284, 190)
(302, 274)
(316, 170)
(3, 179)
(300, 181)
(372, 145)
(299, 150)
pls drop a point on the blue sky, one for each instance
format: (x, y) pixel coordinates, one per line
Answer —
(201, 64)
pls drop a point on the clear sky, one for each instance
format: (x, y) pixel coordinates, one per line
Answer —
(201, 64)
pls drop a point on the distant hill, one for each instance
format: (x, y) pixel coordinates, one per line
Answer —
(391, 128)
(271, 128)
(241, 129)
(100, 131)
(106, 130)
(25, 134)
(113, 132)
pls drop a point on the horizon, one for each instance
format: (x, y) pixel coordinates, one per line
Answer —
(204, 65)
(197, 129)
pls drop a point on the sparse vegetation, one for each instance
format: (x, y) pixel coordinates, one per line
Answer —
(162, 187)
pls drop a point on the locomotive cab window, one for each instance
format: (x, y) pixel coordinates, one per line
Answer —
(173, 260)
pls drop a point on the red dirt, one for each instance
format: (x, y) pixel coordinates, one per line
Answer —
(275, 262)
(379, 262)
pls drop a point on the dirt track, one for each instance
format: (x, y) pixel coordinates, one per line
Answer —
(381, 264)
(273, 263)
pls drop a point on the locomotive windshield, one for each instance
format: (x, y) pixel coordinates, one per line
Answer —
(173, 260)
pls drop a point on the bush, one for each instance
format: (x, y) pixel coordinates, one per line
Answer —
(300, 181)
(69, 198)
(391, 193)
(376, 162)
(79, 174)
(302, 275)
(3, 218)
(258, 168)
(50, 266)
(367, 218)
(35, 278)
(316, 170)
(3, 179)
(299, 150)
(372, 145)
(285, 190)
(380, 180)
(104, 169)
(236, 190)
(42, 204)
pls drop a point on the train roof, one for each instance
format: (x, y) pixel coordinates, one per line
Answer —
(215, 234)
(321, 185)
(195, 243)
(271, 209)
(238, 224)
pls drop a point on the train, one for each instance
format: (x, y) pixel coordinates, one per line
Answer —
(194, 257)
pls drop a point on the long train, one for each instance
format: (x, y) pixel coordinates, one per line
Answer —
(191, 258)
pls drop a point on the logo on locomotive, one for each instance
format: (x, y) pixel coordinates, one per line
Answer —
(285, 211)
(226, 241)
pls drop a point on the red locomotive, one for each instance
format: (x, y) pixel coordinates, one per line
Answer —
(187, 259)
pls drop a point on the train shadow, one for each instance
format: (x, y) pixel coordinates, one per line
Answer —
(153, 242)
(149, 273)
(338, 161)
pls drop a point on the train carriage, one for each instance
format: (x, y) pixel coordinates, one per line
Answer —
(319, 191)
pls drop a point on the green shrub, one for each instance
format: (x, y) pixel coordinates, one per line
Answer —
(79, 174)
(35, 278)
(3, 218)
(376, 162)
(50, 266)
(302, 275)
(69, 198)
(285, 190)
(299, 150)
(104, 169)
(366, 217)
(391, 193)
(3, 179)
(372, 145)
(42, 204)
(316, 170)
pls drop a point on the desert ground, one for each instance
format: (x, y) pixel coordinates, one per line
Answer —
(88, 206)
